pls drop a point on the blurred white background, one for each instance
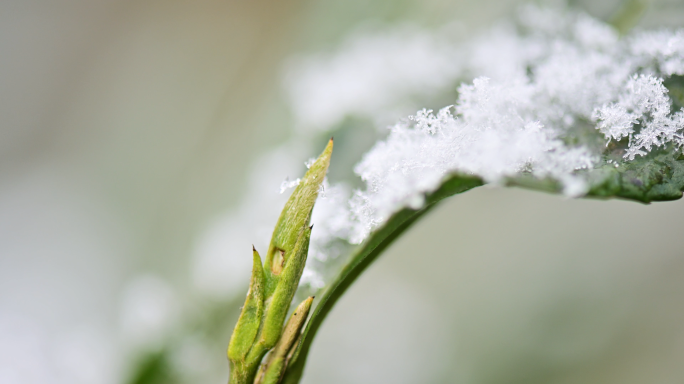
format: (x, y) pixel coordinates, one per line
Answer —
(127, 128)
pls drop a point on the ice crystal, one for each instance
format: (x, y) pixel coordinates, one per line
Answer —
(495, 134)
(643, 101)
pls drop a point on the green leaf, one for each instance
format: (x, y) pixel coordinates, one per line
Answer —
(295, 215)
(659, 176)
(250, 318)
(274, 284)
(273, 369)
(363, 256)
(282, 297)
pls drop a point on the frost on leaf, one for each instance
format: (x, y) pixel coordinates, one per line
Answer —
(558, 100)
(644, 101)
(553, 100)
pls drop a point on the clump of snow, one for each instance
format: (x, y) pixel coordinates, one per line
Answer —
(643, 101)
(552, 72)
(546, 95)
(496, 133)
(331, 218)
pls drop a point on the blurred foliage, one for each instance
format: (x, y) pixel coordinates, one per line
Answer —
(629, 14)
(210, 322)
(675, 84)
(154, 369)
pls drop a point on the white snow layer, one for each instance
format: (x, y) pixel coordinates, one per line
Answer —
(547, 73)
(535, 82)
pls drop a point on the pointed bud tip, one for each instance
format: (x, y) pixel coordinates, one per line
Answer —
(253, 249)
(328, 148)
(296, 214)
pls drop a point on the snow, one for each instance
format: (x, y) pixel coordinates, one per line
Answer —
(643, 101)
(543, 95)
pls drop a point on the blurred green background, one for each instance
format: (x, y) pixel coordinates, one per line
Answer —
(128, 127)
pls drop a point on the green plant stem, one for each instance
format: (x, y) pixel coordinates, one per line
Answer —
(363, 257)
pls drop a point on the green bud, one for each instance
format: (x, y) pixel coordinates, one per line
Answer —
(274, 284)
(274, 368)
(250, 318)
(274, 371)
(279, 303)
(295, 215)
